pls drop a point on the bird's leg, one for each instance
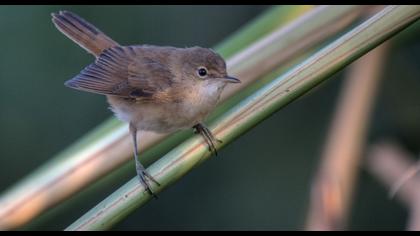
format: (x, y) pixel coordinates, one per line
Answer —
(208, 137)
(141, 171)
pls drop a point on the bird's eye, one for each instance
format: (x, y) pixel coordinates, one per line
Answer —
(202, 72)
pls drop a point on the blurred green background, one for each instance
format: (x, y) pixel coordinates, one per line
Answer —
(267, 190)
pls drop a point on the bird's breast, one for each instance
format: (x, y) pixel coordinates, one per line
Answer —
(183, 111)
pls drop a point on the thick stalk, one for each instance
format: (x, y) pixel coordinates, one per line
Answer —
(104, 149)
(251, 111)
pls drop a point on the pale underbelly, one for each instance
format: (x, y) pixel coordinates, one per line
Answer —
(165, 118)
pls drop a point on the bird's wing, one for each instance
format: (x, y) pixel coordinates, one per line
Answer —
(124, 72)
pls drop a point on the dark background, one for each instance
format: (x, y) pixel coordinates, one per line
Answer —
(260, 181)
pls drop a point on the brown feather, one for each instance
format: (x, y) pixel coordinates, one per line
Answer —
(126, 71)
(82, 32)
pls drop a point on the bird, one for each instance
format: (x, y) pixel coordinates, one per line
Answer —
(162, 89)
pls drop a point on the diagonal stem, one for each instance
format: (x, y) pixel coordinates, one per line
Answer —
(108, 146)
(252, 111)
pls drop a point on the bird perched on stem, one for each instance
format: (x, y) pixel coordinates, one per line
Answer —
(154, 88)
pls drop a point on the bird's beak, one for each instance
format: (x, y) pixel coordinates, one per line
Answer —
(230, 79)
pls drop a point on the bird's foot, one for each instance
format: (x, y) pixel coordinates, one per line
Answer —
(208, 137)
(144, 178)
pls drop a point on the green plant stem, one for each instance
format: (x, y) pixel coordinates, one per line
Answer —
(251, 111)
(107, 146)
(271, 19)
(327, 21)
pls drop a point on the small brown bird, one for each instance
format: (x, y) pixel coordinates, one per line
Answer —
(160, 89)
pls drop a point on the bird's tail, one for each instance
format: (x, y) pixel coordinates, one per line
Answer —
(82, 32)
